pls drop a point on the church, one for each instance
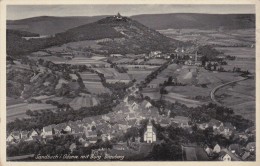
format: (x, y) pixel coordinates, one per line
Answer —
(150, 133)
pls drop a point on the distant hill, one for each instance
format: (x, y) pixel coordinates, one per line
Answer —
(47, 25)
(191, 20)
(118, 35)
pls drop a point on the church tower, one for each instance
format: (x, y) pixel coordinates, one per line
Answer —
(150, 133)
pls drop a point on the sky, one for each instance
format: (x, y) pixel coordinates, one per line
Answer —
(15, 12)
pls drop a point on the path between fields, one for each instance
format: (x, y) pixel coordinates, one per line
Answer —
(213, 91)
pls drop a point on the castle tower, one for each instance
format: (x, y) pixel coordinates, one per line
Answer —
(118, 16)
(150, 133)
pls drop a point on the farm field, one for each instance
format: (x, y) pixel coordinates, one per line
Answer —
(53, 58)
(155, 61)
(84, 100)
(113, 76)
(238, 52)
(88, 76)
(138, 75)
(79, 45)
(96, 87)
(108, 72)
(79, 60)
(19, 110)
(198, 84)
(239, 37)
(87, 61)
(13, 101)
(139, 67)
(245, 58)
(240, 96)
(189, 91)
(44, 98)
(174, 97)
(123, 60)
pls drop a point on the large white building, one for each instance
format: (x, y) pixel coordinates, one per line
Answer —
(150, 133)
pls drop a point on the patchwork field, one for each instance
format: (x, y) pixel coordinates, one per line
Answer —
(240, 96)
(245, 58)
(239, 37)
(174, 97)
(93, 83)
(198, 84)
(96, 87)
(19, 110)
(12, 101)
(84, 100)
(88, 76)
(79, 45)
(94, 61)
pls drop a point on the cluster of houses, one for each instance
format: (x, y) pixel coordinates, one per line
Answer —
(129, 114)
(219, 128)
(234, 152)
(126, 115)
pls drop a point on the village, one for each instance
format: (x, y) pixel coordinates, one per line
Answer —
(102, 97)
(113, 126)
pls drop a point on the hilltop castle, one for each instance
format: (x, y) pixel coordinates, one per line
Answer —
(118, 16)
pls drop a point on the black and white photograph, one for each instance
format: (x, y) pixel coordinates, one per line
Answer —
(130, 82)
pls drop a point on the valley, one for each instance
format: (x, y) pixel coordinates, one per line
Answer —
(105, 83)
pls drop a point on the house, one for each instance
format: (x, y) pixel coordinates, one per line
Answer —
(165, 122)
(235, 149)
(85, 143)
(93, 140)
(203, 126)
(246, 155)
(133, 106)
(126, 100)
(87, 127)
(119, 146)
(31, 134)
(123, 126)
(192, 152)
(131, 122)
(10, 139)
(181, 121)
(146, 104)
(68, 129)
(16, 135)
(251, 147)
(105, 117)
(215, 124)
(226, 155)
(47, 131)
(188, 62)
(91, 134)
(150, 133)
(81, 139)
(155, 54)
(209, 151)
(24, 135)
(93, 123)
(106, 137)
(130, 116)
(72, 147)
(216, 148)
(116, 55)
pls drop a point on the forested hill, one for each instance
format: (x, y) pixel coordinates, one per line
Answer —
(125, 36)
(48, 25)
